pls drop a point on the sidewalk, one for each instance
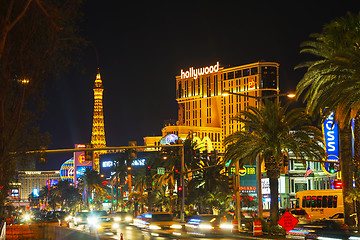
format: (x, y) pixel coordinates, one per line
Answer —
(265, 236)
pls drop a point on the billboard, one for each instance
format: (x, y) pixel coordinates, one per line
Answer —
(80, 163)
(331, 135)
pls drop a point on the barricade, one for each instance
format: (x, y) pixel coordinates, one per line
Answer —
(235, 226)
(257, 229)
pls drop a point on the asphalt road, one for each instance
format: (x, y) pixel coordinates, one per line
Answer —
(132, 233)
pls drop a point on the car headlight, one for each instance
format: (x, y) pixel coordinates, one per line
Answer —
(128, 219)
(176, 226)
(115, 225)
(27, 217)
(117, 219)
(98, 226)
(68, 218)
(92, 221)
(154, 227)
(205, 226)
(226, 226)
(77, 219)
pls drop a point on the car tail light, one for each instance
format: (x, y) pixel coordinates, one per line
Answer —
(309, 217)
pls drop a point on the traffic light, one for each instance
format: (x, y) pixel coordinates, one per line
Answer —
(332, 167)
(176, 174)
(148, 171)
(285, 160)
(132, 151)
(231, 182)
(180, 188)
(88, 154)
(197, 155)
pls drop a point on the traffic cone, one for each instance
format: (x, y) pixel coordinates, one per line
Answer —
(257, 230)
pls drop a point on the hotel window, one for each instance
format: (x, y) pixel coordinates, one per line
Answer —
(230, 75)
(238, 74)
(179, 90)
(198, 86)
(246, 72)
(193, 88)
(254, 71)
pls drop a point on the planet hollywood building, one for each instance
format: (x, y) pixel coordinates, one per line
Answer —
(206, 114)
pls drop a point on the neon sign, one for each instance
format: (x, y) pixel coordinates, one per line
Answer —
(200, 71)
(331, 134)
(107, 164)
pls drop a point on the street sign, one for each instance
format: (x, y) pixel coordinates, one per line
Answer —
(160, 170)
(288, 221)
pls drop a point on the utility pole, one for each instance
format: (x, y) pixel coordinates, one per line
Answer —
(182, 177)
(237, 195)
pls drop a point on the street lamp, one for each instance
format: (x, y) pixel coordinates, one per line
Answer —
(288, 94)
(258, 164)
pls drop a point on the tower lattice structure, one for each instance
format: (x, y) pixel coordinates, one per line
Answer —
(98, 129)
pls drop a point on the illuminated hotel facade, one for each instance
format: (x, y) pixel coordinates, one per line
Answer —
(205, 113)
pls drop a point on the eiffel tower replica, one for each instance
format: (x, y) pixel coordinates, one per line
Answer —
(98, 129)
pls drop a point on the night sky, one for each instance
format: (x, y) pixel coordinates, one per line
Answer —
(141, 48)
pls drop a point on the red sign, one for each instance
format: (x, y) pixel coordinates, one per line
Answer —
(288, 221)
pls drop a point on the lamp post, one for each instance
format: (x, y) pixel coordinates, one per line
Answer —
(258, 163)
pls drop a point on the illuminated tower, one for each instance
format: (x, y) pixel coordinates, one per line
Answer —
(98, 130)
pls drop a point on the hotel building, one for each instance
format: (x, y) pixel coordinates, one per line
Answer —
(27, 182)
(205, 113)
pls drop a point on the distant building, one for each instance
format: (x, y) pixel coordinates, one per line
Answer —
(28, 182)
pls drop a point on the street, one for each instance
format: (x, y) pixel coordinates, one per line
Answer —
(130, 232)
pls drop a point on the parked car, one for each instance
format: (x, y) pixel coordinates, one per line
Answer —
(80, 218)
(122, 217)
(301, 215)
(161, 224)
(207, 225)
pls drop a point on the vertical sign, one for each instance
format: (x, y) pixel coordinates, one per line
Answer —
(80, 163)
(331, 135)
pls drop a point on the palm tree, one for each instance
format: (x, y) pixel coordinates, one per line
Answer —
(332, 82)
(269, 133)
(90, 183)
(208, 180)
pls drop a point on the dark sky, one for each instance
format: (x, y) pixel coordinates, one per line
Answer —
(141, 48)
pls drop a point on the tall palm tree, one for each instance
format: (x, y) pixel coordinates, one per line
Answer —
(208, 180)
(270, 132)
(90, 183)
(332, 82)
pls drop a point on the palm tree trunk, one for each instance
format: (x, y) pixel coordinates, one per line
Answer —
(346, 171)
(274, 194)
(356, 162)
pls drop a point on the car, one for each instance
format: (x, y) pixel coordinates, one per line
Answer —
(139, 221)
(301, 215)
(57, 216)
(328, 229)
(80, 218)
(161, 224)
(207, 225)
(103, 225)
(122, 217)
(338, 217)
